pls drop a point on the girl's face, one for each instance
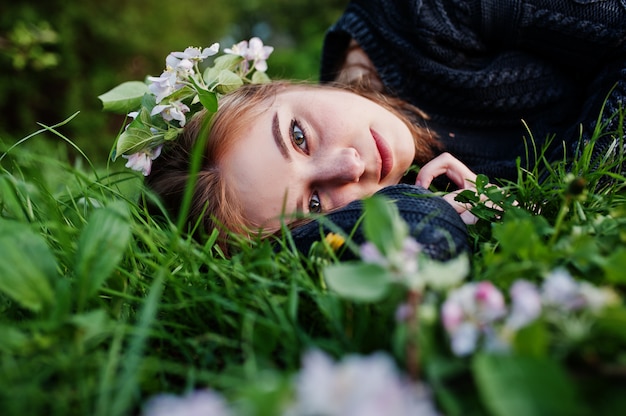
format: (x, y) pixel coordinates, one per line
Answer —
(315, 150)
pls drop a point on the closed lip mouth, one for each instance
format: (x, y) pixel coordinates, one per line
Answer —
(386, 159)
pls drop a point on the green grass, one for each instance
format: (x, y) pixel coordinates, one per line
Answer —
(102, 306)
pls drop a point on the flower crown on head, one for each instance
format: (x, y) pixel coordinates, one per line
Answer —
(161, 106)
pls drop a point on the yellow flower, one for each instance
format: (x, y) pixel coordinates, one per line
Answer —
(335, 241)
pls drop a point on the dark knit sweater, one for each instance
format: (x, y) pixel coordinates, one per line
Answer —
(483, 70)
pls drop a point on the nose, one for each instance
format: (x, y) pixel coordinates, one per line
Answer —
(341, 167)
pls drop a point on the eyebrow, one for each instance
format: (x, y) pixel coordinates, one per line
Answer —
(278, 138)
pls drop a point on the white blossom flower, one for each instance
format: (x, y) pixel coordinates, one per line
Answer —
(178, 67)
(258, 53)
(173, 111)
(464, 338)
(182, 68)
(197, 403)
(370, 254)
(597, 298)
(239, 49)
(182, 71)
(562, 291)
(182, 63)
(142, 161)
(164, 85)
(195, 54)
(525, 306)
(254, 51)
(402, 263)
(357, 386)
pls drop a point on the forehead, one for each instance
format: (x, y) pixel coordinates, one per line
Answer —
(257, 172)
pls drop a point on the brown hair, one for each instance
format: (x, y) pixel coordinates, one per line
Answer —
(213, 204)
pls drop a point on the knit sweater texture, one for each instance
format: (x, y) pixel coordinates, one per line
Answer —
(498, 78)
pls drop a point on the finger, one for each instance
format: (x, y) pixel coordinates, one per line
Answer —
(462, 209)
(446, 164)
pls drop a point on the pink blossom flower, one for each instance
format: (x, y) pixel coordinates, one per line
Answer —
(403, 312)
(471, 311)
(142, 161)
(452, 314)
(489, 301)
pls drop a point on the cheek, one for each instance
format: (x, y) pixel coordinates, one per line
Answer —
(349, 193)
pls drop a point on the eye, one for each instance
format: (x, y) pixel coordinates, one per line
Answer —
(298, 137)
(315, 205)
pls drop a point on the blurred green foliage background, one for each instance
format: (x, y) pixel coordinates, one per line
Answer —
(57, 56)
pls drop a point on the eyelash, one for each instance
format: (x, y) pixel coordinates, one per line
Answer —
(301, 136)
(315, 204)
(315, 199)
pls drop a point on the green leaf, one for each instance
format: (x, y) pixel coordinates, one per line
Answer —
(100, 248)
(260, 78)
(482, 181)
(228, 81)
(172, 132)
(228, 62)
(210, 76)
(532, 340)
(444, 275)
(124, 98)
(611, 323)
(208, 100)
(137, 135)
(382, 224)
(178, 95)
(10, 197)
(364, 282)
(12, 340)
(28, 266)
(615, 265)
(92, 326)
(524, 386)
(520, 237)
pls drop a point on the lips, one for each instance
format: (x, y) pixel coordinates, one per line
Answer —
(386, 157)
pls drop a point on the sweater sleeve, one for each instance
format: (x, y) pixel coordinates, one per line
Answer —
(481, 67)
(582, 37)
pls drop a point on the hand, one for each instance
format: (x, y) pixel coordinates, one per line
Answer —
(457, 172)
